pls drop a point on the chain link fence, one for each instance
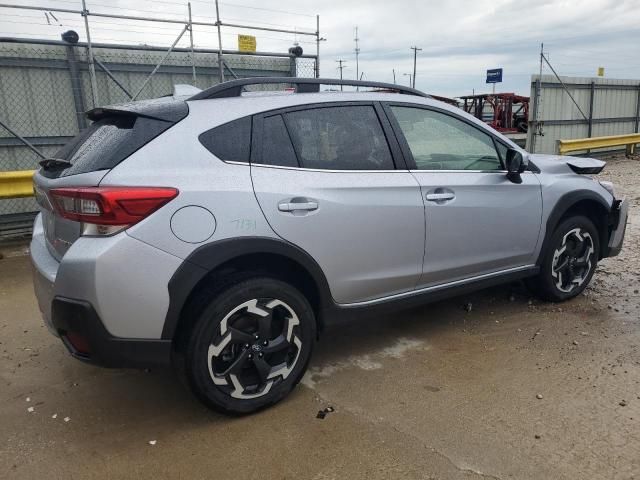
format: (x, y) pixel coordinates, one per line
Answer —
(46, 88)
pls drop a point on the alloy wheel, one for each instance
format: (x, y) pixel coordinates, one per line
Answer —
(257, 346)
(572, 261)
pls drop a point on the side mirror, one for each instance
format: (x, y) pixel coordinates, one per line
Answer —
(516, 164)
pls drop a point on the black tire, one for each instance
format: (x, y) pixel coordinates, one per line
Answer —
(287, 343)
(564, 274)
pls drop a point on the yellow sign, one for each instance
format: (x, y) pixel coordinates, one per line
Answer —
(246, 43)
(601, 71)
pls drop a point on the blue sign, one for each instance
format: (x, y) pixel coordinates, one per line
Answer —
(494, 75)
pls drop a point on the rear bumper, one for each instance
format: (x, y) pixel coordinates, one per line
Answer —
(86, 338)
(45, 270)
(77, 322)
(618, 222)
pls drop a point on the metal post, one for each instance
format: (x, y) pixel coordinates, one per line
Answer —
(160, 62)
(536, 102)
(193, 55)
(113, 78)
(76, 87)
(23, 140)
(293, 66)
(220, 65)
(92, 68)
(637, 111)
(317, 46)
(593, 92)
(233, 74)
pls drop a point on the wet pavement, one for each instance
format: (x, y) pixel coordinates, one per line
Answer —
(491, 385)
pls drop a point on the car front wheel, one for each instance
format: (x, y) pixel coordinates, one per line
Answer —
(569, 261)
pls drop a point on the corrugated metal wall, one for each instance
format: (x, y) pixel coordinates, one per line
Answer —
(615, 109)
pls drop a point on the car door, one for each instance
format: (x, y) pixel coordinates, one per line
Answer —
(326, 180)
(477, 221)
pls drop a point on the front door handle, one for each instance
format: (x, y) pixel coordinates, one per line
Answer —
(292, 206)
(440, 197)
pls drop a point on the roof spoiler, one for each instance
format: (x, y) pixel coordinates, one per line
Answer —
(166, 109)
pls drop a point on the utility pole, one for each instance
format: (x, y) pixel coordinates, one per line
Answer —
(357, 50)
(536, 104)
(394, 75)
(342, 64)
(415, 54)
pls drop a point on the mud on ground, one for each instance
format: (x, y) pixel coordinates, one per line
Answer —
(513, 388)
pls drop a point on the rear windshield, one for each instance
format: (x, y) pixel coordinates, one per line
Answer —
(90, 146)
(109, 140)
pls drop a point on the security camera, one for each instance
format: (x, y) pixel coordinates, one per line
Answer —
(70, 36)
(296, 51)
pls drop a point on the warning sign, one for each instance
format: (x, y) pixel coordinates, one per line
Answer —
(246, 43)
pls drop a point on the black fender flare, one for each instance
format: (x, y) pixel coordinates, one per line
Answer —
(561, 207)
(208, 257)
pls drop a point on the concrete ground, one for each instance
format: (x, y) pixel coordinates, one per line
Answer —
(514, 388)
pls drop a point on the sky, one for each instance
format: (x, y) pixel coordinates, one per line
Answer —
(460, 39)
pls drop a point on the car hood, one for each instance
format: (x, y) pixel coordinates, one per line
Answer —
(567, 164)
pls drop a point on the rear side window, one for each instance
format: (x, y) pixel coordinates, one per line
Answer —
(229, 142)
(339, 138)
(276, 144)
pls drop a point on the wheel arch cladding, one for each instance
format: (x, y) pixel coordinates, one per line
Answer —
(208, 265)
(580, 202)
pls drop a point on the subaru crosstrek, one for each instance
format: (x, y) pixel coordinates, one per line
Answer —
(218, 232)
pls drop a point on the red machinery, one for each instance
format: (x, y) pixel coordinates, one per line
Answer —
(506, 112)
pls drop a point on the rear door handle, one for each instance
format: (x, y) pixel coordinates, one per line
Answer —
(439, 197)
(293, 206)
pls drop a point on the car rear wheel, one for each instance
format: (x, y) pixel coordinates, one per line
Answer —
(569, 260)
(250, 345)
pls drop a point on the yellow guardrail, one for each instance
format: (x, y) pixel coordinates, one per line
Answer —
(578, 144)
(16, 184)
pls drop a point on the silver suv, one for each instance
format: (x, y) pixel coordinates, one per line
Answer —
(218, 232)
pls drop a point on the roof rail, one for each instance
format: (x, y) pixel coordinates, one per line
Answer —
(234, 88)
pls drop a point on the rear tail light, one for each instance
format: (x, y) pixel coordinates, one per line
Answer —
(102, 208)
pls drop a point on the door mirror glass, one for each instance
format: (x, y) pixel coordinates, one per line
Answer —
(515, 164)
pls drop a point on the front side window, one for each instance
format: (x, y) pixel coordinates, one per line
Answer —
(442, 142)
(339, 138)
